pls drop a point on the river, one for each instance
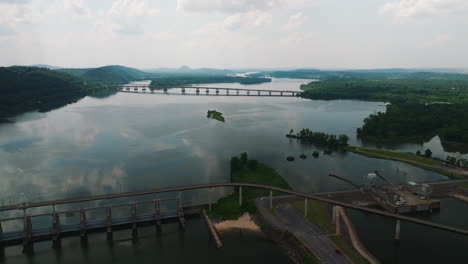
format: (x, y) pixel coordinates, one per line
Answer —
(131, 142)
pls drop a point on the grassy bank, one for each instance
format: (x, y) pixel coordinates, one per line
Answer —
(318, 215)
(412, 159)
(246, 171)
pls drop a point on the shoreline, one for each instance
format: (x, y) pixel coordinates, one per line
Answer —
(451, 173)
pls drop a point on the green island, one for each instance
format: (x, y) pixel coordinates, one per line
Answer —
(426, 163)
(244, 170)
(179, 80)
(320, 138)
(215, 115)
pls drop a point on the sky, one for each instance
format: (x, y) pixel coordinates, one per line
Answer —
(235, 33)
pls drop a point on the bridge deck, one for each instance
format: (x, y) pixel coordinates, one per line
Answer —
(123, 87)
(142, 218)
(40, 234)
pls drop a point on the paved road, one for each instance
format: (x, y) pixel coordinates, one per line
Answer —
(313, 238)
(290, 219)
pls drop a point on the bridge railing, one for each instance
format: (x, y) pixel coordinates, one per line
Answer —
(397, 217)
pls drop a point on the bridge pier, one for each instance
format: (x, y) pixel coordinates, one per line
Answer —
(333, 214)
(83, 224)
(27, 233)
(134, 218)
(180, 213)
(56, 229)
(337, 222)
(240, 196)
(305, 207)
(271, 200)
(1, 244)
(109, 222)
(209, 199)
(397, 230)
(157, 214)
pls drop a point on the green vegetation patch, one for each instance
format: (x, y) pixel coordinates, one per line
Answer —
(422, 88)
(215, 115)
(180, 80)
(394, 154)
(414, 121)
(320, 138)
(244, 170)
(317, 214)
(418, 161)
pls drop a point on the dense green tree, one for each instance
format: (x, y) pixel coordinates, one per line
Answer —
(428, 153)
(243, 157)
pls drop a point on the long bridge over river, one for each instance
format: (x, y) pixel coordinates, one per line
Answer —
(155, 215)
(197, 90)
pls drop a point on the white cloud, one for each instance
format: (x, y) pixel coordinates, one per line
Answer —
(129, 16)
(251, 19)
(404, 10)
(295, 21)
(226, 6)
(76, 7)
(14, 1)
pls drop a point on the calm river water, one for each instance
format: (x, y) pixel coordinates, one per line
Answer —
(130, 142)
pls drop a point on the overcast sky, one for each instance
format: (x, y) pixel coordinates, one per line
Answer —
(235, 33)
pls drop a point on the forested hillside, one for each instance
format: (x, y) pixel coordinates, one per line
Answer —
(422, 105)
(113, 74)
(25, 89)
(177, 80)
(413, 121)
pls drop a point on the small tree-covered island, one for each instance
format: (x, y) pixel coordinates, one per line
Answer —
(215, 115)
(320, 138)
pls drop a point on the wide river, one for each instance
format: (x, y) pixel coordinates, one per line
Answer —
(131, 142)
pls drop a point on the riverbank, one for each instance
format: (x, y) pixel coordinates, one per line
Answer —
(418, 161)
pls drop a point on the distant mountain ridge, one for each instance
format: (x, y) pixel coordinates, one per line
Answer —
(108, 74)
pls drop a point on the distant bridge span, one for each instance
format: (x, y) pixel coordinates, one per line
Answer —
(199, 89)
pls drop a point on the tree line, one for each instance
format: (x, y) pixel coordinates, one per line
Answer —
(320, 138)
(417, 122)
